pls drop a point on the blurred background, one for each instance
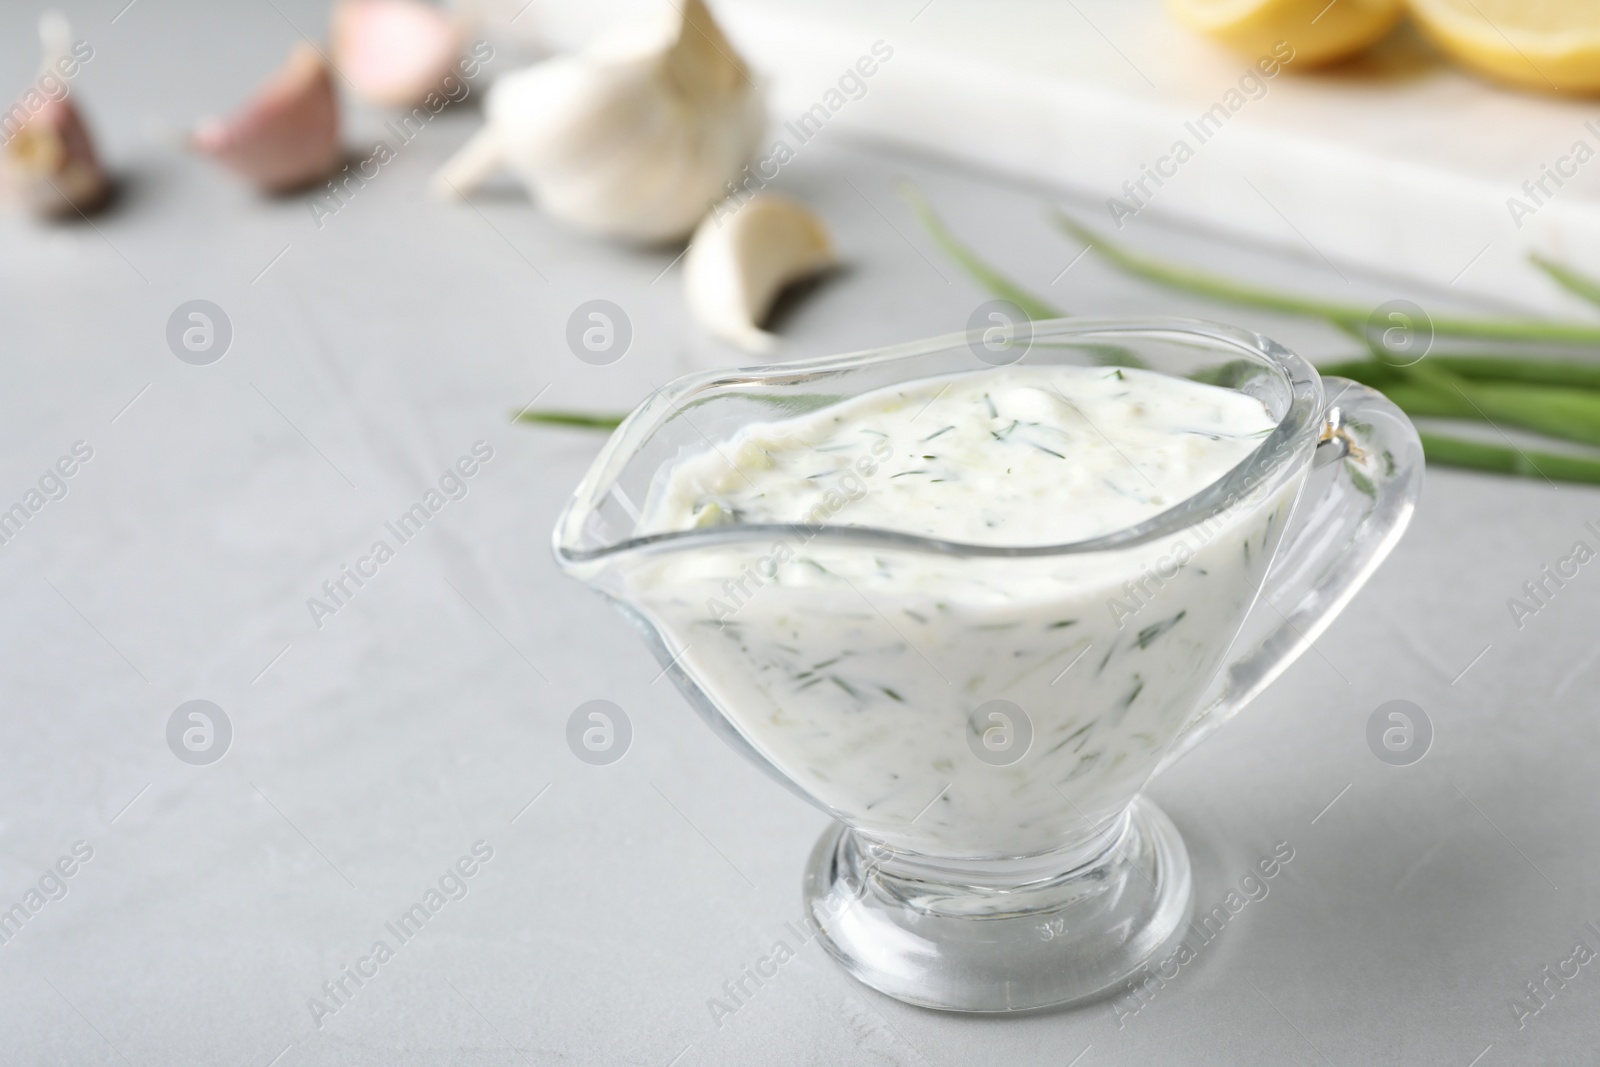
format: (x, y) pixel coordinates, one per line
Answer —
(272, 271)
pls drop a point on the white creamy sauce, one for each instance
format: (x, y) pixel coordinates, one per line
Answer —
(857, 671)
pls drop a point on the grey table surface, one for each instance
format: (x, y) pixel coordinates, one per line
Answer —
(370, 752)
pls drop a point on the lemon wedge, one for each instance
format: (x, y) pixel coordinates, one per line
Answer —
(1551, 45)
(1318, 31)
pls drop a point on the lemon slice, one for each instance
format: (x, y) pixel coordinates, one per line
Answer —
(1318, 31)
(1553, 45)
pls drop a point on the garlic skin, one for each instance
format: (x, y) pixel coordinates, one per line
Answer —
(739, 260)
(633, 140)
(287, 136)
(394, 52)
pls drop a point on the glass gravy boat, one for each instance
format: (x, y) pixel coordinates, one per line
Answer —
(981, 732)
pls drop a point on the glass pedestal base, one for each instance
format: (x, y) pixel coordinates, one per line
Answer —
(1003, 936)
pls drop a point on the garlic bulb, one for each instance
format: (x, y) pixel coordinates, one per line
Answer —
(629, 139)
(49, 163)
(287, 136)
(741, 259)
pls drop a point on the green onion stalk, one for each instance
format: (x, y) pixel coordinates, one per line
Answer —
(1559, 398)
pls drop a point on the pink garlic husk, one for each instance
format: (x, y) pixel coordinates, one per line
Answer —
(394, 52)
(287, 136)
(50, 164)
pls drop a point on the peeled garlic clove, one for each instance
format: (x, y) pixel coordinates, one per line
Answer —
(394, 52)
(287, 136)
(630, 139)
(50, 164)
(741, 259)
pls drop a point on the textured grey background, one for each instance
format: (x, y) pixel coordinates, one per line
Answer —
(370, 753)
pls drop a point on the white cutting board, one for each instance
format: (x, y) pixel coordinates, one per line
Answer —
(1396, 164)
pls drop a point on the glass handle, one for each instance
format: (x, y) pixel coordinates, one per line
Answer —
(1363, 486)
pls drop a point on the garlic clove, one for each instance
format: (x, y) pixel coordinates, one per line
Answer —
(741, 259)
(50, 164)
(394, 52)
(287, 136)
(634, 139)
